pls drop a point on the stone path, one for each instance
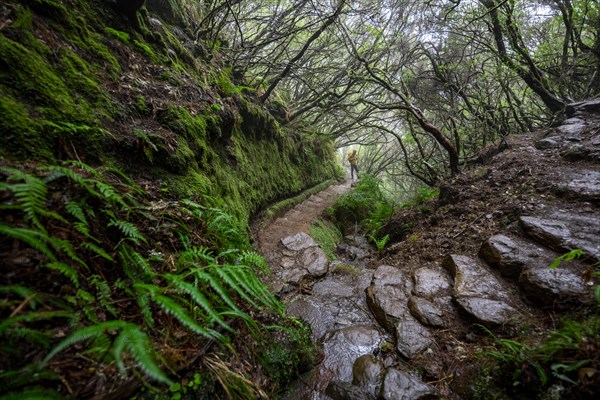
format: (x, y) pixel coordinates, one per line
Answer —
(383, 330)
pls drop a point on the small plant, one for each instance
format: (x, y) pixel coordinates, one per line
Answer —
(380, 243)
(327, 235)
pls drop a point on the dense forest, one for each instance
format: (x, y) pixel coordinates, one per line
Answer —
(142, 139)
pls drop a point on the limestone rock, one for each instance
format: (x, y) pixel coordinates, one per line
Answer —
(479, 293)
(299, 241)
(412, 337)
(564, 231)
(389, 304)
(426, 312)
(554, 287)
(344, 346)
(510, 256)
(398, 385)
(430, 283)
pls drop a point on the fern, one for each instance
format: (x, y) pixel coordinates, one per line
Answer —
(76, 211)
(31, 195)
(215, 284)
(109, 193)
(131, 337)
(32, 316)
(129, 230)
(170, 306)
(198, 298)
(193, 255)
(104, 294)
(66, 270)
(253, 259)
(129, 257)
(36, 239)
(98, 250)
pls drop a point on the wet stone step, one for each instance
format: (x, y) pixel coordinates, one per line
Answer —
(480, 293)
(371, 381)
(563, 231)
(529, 263)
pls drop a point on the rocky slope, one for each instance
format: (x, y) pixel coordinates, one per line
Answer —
(466, 278)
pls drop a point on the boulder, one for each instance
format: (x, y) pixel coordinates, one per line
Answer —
(398, 385)
(564, 231)
(426, 312)
(431, 283)
(343, 347)
(412, 337)
(479, 292)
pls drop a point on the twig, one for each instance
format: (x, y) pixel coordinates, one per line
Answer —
(22, 305)
(468, 226)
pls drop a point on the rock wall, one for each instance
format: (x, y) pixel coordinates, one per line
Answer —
(80, 80)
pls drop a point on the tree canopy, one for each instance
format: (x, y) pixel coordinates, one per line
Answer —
(428, 83)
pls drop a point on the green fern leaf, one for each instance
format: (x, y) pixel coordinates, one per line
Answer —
(215, 284)
(129, 257)
(76, 211)
(66, 247)
(36, 239)
(129, 230)
(66, 270)
(195, 254)
(33, 316)
(198, 298)
(98, 250)
(109, 193)
(226, 274)
(172, 307)
(138, 344)
(253, 259)
(130, 337)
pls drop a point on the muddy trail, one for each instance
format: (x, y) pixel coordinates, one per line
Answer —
(460, 272)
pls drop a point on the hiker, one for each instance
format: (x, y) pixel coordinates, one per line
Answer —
(353, 159)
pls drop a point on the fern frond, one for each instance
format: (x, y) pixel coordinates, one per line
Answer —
(129, 257)
(215, 284)
(198, 298)
(175, 309)
(130, 337)
(253, 259)
(67, 247)
(129, 230)
(31, 194)
(76, 211)
(34, 336)
(19, 290)
(36, 239)
(139, 344)
(195, 254)
(253, 286)
(66, 270)
(104, 293)
(143, 300)
(228, 277)
(96, 249)
(109, 193)
(33, 316)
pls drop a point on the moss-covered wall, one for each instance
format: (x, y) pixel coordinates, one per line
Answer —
(80, 81)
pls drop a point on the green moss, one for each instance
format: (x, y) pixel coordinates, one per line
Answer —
(192, 184)
(79, 77)
(147, 50)
(20, 133)
(119, 35)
